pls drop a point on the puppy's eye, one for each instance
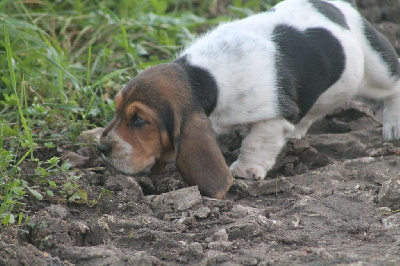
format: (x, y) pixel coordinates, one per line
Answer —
(137, 121)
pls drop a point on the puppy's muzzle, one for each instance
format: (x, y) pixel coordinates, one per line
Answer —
(104, 149)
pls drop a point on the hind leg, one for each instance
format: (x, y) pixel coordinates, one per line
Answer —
(388, 91)
(337, 96)
(301, 128)
(391, 117)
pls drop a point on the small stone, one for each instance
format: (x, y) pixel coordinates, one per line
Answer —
(289, 169)
(96, 236)
(120, 182)
(392, 221)
(357, 163)
(300, 169)
(185, 218)
(202, 213)
(247, 260)
(289, 159)
(303, 190)
(353, 152)
(75, 160)
(311, 156)
(262, 187)
(167, 184)
(241, 211)
(220, 235)
(246, 187)
(244, 230)
(181, 199)
(384, 209)
(92, 135)
(81, 227)
(146, 183)
(142, 258)
(389, 194)
(296, 222)
(273, 186)
(215, 258)
(57, 211)
(300, 144)
(220, 245)
(194, 249)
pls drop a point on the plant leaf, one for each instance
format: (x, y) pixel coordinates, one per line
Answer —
(36, 194)
(79, 196)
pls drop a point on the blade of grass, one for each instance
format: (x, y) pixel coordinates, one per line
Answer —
(3, 3)
(64, 107)
(110, 76)
(14, 84)
(88, 72)
(125, 37)
(21, 160)
(96, 84)
(50, 43)
(1, 137)
(73, 78)
(88, 75)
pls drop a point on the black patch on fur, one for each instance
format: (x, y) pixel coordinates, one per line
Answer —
(166, 115)
(287, 94)
(203, 85)
(331, 12)
(307, 63)
(381, 45)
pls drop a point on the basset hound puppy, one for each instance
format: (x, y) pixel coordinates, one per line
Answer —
(275, 72)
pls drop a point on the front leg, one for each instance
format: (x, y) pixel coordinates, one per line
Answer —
(260, 147)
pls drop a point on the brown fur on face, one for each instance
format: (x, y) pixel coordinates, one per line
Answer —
(175, 124)
(134, 149)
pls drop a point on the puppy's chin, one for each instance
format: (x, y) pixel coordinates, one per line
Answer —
(109, 164)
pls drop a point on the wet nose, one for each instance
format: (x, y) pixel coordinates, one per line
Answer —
(104, 148)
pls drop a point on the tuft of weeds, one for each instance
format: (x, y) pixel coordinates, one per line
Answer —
(62, 62)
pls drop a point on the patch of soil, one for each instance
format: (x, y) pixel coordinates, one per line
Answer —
(331, 199)
(328, 201)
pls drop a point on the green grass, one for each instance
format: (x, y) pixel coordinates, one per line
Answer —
(62, 62)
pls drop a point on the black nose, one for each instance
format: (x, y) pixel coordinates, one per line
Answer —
(104, 149)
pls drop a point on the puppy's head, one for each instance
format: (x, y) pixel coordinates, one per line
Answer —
(141, 130)
(158, 118)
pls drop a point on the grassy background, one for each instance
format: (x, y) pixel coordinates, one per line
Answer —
(62, 62)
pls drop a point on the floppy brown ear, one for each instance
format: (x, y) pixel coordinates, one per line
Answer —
(199, 159)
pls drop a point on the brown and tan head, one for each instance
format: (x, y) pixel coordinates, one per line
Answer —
(158, 119)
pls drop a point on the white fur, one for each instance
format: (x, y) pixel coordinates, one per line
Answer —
(120, 156)
(121, 152)
(237, 54)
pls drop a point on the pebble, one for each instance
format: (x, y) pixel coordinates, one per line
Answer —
(202, 213)
(181, 199)
(392, 221)
(389, 194)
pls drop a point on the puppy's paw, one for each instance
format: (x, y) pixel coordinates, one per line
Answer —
(391, 131)
(294, 135)
(248, 171)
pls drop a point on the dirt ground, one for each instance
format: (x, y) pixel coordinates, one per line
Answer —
(332, 199)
